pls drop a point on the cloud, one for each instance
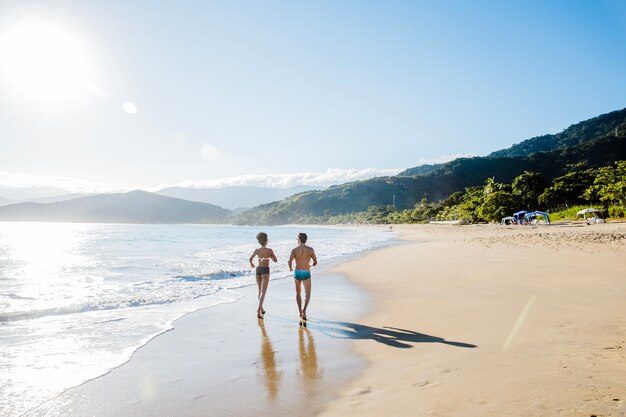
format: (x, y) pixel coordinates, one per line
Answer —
(22, 186)
(209, 152)
(442, 159)
(318, 179)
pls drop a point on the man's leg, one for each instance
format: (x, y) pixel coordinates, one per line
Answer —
(298, 296)
(307, 296)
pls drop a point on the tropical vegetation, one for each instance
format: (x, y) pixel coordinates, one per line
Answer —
(581, 165)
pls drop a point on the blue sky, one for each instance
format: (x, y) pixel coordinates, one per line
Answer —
(231, 89)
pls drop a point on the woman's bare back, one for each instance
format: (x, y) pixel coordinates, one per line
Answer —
(265, 255)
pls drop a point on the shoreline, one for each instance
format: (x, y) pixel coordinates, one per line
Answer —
(19, 403)
(451, 320)
(333, 354)
(482, 320)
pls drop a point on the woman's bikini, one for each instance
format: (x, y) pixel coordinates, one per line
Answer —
(263, 270)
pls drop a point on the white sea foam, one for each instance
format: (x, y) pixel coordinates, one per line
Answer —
(77, 300)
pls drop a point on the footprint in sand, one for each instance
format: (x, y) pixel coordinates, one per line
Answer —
(362, 391)
(426, 384)
(613, 347)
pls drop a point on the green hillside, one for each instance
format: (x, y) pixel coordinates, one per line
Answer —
(456, 175)
(597, 127)
(600, 126)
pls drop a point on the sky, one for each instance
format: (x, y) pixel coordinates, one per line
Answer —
(141, 94)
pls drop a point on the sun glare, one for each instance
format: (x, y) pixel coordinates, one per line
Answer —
(44, 61)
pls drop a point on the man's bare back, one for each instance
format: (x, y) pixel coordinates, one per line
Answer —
(303, 255)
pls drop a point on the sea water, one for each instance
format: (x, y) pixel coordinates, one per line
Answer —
(76, 300)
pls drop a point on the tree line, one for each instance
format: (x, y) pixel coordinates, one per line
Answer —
(604, 187)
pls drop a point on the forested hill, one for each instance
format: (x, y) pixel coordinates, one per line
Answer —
(438, 184)
(597, 127)
(420, 170)
(600, 126)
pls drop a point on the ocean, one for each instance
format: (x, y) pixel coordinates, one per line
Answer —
(76, 300)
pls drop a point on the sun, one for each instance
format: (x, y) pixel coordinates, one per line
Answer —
(44, 61)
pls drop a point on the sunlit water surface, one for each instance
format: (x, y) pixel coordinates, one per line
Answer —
(76, 300)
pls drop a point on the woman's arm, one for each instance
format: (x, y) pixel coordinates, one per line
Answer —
(273, 256)
(252, 257)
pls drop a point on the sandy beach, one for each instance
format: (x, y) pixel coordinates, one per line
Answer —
(544, 307)
(452, 321)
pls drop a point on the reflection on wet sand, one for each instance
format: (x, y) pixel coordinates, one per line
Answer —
(270, 374)
(309, 370)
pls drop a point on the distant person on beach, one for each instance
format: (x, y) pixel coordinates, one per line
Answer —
(303, 255)
(263, 270)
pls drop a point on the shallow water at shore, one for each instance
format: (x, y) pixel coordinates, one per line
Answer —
(223, 361)
(78, 299)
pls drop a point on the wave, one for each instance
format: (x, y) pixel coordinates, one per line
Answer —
(148, 293)
(75, 309)
(213, 276)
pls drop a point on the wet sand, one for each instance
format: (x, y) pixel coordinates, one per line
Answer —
(222, 361)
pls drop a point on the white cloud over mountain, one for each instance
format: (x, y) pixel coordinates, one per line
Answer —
(23, 186)
(329, 177)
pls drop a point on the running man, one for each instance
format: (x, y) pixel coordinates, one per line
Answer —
(303, 255)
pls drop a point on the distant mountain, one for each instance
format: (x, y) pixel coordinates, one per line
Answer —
(6, 201)
(22, 194)
(453, 176)
(233, 197)
(56, 198)
(131, 207)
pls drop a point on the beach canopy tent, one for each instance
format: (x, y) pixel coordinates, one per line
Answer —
(508, 220)
(532, 217)
(591, 215)
(519, 216)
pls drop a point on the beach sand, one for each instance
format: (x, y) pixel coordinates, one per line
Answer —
(544, 306)
(453, 321)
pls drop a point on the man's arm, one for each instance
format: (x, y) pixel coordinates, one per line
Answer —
(291, 258)
(313, 257)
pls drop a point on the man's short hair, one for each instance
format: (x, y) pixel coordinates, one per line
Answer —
(302, 237)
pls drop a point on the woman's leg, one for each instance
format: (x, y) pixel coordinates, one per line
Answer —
(265, 280)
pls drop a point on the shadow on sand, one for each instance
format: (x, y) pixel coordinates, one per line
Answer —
(390, 336)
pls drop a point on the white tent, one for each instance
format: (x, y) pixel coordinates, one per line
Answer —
(508, 220)
(591, 215)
